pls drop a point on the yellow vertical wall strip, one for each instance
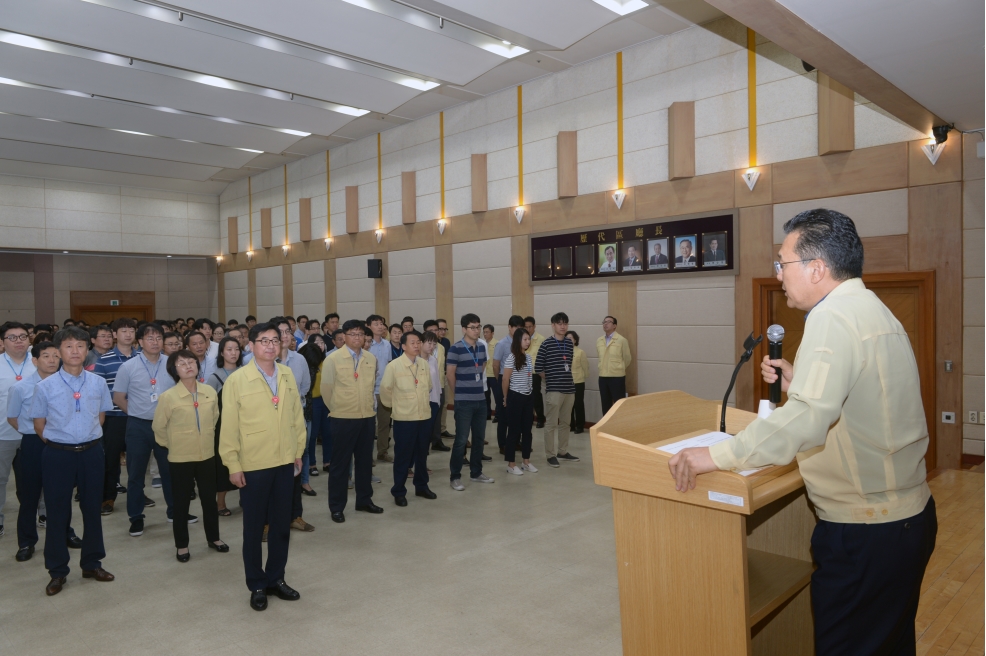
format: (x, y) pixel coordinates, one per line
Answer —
(619, 120)
(250, 212)
(751, 94)
(441, 158)
(520, 144)
(287, 238)
(379, 187)
(328, 199)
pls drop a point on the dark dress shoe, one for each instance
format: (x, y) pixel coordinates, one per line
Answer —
(487, 458)
(54, 586)
(309, 493)
(183, 557)
(447, 434)
(24, 553)
(283, 591)
(370, 507)
(540, 424)
(258, 600)
(338, 517)
(426, 493)
(495, 420)
(99, 574)
(74, 542)
(221, 548)
(400, 501)
(438, 446)
(325, 468)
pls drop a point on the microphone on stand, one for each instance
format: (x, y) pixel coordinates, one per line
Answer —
(775, 342)
(748, 345)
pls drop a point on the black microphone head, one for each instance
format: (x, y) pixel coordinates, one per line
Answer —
(775, 333)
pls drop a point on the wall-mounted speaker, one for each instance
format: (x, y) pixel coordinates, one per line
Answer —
(374, 268)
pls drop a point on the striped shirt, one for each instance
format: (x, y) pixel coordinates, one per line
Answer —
(470, 370)
(554, 362)
(106, 367)
(520, 379)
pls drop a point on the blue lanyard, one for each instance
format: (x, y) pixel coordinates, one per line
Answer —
(18, 375)
(475, 356)
(157, 367)
(561, 347)
(75, 395)
(195, 404)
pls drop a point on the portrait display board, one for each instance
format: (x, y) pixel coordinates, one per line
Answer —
(675, 245)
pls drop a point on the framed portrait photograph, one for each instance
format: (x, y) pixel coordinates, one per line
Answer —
(607, 258)
(714, 249)
(631, 257)
(563, 262)
(542, 263)
(585, 260)
(684, 248)
(657, 254)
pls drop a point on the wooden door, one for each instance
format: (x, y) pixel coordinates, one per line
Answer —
(909, 295)
(97, 307)
(97, 315)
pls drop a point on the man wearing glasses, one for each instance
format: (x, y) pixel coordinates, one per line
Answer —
(466, 367)
(262, 440)
(15, 366)
(613, 351)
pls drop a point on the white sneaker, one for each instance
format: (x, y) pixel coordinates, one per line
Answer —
(457, 485)
(482, 478)
(375, 479)
(529, 467)
(515, 470)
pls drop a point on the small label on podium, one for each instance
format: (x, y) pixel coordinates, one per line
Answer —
(731, 499)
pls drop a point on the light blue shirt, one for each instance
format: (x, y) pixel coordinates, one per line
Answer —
(206, 367)
(381, 351)
(54, 401)
(19, 403)
(9, 371)
(133, 378)
(299, 367)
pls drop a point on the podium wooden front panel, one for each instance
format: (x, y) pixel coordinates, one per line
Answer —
(698, 576)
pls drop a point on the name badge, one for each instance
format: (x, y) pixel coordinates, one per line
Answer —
(567, 368)
(477, 378)
(153, 396)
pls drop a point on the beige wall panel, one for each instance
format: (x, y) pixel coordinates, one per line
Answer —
(972, 260)
(329, 270)
(287, 286)
(836, 116)
(973, 394)
(252, 292)
(444, 287)
(706, 381)
(569, 213)
(265, 228)
(352, 209)
(972, 204)
(973, 293)
(381, 289)
(948, 168)
(762, 192)
(232, 239)
(623, 305)
(412, 261)
(270, 292)
(409, 198)
(698, 194)
(568, 164)
(309, 289)
(973, 356)
(305, 219)
(355, 297)
(478, 183)
(703, 344)
(686, 307)
(17, 296)
(756, 254)
(972, 166)
(481, 255)
(476, 227)
(522, 293)
(681, 140)
(481, 282)
(857, 172)
(875, 214)
(884, 253)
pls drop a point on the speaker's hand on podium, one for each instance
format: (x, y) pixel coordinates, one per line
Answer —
(687, 464)
(770, 376)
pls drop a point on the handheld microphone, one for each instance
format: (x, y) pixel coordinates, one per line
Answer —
(775, 342)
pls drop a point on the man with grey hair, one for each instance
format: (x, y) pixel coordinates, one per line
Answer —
(855, 421)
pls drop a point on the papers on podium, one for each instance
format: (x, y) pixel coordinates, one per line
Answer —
(707, 439)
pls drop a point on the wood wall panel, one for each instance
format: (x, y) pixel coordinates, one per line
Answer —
(409, 198)
(44, 287)
(480, 192)
(252, 292)
(352, 209)
(935, 243)
(305, 219)
(973, 168)
(567, 213)
(265, 228)
(475, 227)
(699, 194)
(521, 291)
(836, 116)
(884, 254)
(232, 234)
(221, 290)
(414, 235)
(287, 285)
(948, 168)
(681, 140)
(622, 214)
(756, 254)
(568, 164)
(622, 298)
(329, 276)
(381, 289)
(841, 174)
(443, 282)
(82, 299)
(762, 193)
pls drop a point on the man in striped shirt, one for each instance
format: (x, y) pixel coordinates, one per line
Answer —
(115, 425)
(466, 367)
(554, 363)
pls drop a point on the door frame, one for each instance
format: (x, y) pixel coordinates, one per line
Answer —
(924, 281)
(80, 301)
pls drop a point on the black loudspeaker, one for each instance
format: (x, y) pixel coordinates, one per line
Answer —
(374, 268)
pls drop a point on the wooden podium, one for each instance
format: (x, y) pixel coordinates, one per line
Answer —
(723, 569)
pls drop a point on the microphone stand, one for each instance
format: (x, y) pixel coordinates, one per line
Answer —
(749, 344)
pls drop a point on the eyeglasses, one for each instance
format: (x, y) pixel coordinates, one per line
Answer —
(268, 342)
(779, 266)
(476, 327)
(356, 335)
(18, 338)
(443, 330)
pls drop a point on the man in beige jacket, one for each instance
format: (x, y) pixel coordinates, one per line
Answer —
(613, 351)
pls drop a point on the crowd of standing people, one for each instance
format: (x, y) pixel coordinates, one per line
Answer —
(206, 408)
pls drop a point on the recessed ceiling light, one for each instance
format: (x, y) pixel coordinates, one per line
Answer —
(622, 7)
(167, 256)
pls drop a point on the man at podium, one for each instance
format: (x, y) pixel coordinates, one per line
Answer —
(855, 421)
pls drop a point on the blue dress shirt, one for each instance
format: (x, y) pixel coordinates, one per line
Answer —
(54, 401)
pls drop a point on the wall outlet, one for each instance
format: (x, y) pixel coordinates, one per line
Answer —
(948, 417)
(973, 417)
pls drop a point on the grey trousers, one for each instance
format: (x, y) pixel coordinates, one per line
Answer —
(8, 449)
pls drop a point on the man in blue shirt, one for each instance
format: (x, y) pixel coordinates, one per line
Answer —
(115, 426)
(380, 348)
(15, 366)
(68, 410)
(466, 367)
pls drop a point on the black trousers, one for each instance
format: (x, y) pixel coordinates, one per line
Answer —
(865, 591)
(352, 440)
(436, 429)
(27, 481)
(184, 476)
(611, 389)
(538, 398)
(411, 439)
(501, 414)
(578, 410)
(520, 417)
(266, 497)
(114, 444)
(63, 471)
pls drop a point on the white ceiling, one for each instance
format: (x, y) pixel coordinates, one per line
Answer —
(932, 50)
(129, 92)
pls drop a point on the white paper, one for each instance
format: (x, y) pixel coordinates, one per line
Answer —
(751, 472)
(721, 497)
(708, 439)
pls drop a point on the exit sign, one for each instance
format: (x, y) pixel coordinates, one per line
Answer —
(114, 303)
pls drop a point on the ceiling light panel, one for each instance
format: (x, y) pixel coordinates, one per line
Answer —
(356, 32)
(622, 7)
(126, 83)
